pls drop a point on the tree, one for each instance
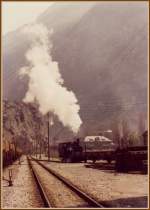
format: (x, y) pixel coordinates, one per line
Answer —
(117, 131)
(134, 139)
(141, 124)
(125, 132)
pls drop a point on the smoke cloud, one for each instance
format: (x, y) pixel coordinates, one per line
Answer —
(46, 85)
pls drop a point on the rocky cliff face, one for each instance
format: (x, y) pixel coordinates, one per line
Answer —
(24, 125)
(21, 123)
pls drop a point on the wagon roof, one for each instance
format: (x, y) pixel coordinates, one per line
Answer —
(97, 138)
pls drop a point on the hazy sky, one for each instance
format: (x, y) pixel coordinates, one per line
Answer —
(16, 14)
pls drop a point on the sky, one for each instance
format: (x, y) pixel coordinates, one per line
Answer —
(16, 14)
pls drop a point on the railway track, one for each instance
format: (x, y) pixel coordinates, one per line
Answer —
(82, 195)
(39, 185)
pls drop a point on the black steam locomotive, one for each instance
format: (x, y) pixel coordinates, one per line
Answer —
(70, 151)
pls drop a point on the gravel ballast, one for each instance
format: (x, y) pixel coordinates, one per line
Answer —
(107, 187)
(23, 193)
(113, 189)
(59, 194)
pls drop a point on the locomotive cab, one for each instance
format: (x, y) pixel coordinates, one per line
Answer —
(70, 151)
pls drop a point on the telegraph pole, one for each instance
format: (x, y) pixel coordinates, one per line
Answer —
(48, 140)
(40, 136)
(50, 123)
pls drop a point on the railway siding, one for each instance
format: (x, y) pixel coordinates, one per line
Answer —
(107, 187)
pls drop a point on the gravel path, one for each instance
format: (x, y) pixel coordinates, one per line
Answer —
(115, 190)
(60, 195)
(23, 193)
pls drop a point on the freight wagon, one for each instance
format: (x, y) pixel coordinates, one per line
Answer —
(99, 148)
(10, 153)
(132, 158)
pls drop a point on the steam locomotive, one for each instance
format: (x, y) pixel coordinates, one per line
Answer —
(126, 159)
(70, 151)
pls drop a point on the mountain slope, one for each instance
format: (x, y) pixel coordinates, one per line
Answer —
(102, 53)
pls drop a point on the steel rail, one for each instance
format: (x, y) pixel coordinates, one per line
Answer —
(92, 202)
(39, 185)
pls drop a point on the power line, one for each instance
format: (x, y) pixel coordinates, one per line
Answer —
(110, 106)
(111, 111)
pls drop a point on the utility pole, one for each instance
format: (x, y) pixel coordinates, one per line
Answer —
(50, 123)
(40, 136)
(48, 140)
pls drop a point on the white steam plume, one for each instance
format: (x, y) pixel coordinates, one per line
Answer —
(45, 81)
